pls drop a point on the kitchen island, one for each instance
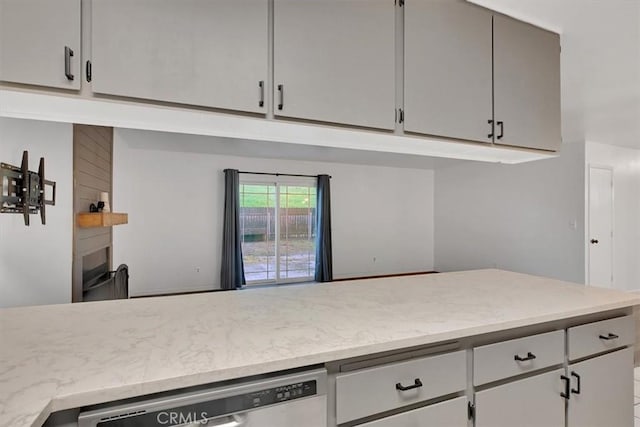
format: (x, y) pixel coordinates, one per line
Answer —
(72, 355)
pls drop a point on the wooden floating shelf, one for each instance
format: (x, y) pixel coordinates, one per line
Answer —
(101, 219)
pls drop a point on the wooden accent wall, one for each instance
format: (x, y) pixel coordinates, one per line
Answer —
(92, 174)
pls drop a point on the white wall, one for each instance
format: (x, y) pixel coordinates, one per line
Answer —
(527, 218)
(172, 189)
(35, 261)
(626, 223)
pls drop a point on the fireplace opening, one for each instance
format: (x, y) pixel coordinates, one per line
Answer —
(100, 283)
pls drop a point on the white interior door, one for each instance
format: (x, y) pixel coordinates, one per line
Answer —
(600, 236)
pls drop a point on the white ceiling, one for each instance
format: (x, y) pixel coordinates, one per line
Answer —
(600, 63)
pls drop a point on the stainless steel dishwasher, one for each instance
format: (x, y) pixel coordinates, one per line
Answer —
(291, 400)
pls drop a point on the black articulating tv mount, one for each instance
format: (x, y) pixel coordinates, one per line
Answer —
(23, 191)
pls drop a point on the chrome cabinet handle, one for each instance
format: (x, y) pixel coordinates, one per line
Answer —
(261, 86)
(416, 383)
(281, 94)
(68, 53)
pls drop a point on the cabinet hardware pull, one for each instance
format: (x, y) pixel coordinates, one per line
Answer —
(416, 383)
(609, 336)
(501, 124)
(281, 94)
(261, 86)
(530, 356)
(594, 241)
(577, 389)
(492, 129)
(68, 53)
(566, 380)
(88, 71)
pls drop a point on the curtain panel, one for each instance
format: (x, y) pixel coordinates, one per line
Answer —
(232, 271)
(324, 257)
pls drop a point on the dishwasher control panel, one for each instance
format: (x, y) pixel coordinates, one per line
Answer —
(198, 409)
(282, 393)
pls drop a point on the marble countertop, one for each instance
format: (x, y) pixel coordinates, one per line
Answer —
(64, 356)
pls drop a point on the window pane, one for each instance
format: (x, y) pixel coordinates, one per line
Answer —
(257, 226)
(296, 247)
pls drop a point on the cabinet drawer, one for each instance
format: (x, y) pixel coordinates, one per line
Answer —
(500, 360)
(374, 390)
(596, 337)
(452, 413)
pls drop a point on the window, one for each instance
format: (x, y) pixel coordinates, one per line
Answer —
(277, 223)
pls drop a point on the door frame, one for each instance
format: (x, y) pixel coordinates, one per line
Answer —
(587, 226)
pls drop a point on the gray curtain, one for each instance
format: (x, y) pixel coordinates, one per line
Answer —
(232, 272)
(324, 258)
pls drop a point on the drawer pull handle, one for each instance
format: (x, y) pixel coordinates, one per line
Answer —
(530, 356)
(578, 386)
(281, 94)
(261, 86)
(567, 386)
(416, 383)
(609, 336)
(68, 53)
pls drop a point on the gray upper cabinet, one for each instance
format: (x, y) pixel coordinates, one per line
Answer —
(334, 61)
(526, 85)
(448, 82)
(211, 53)
(40, 42)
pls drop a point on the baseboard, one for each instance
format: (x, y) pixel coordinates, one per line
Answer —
(382, 276)
(170, 293)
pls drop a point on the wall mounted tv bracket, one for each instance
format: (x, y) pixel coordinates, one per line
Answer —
(23, 191)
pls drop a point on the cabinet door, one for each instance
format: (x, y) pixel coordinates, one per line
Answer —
(37, 38)
(605, 389)
(448, 66)
(452, 413)
(526, 85)
(530, 402)
(210, 53)
(335, 61)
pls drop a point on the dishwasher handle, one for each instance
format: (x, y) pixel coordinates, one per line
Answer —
(235, 420)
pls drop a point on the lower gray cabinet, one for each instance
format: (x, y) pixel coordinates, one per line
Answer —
(451, 413)
(530, 402)
(602, 391)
